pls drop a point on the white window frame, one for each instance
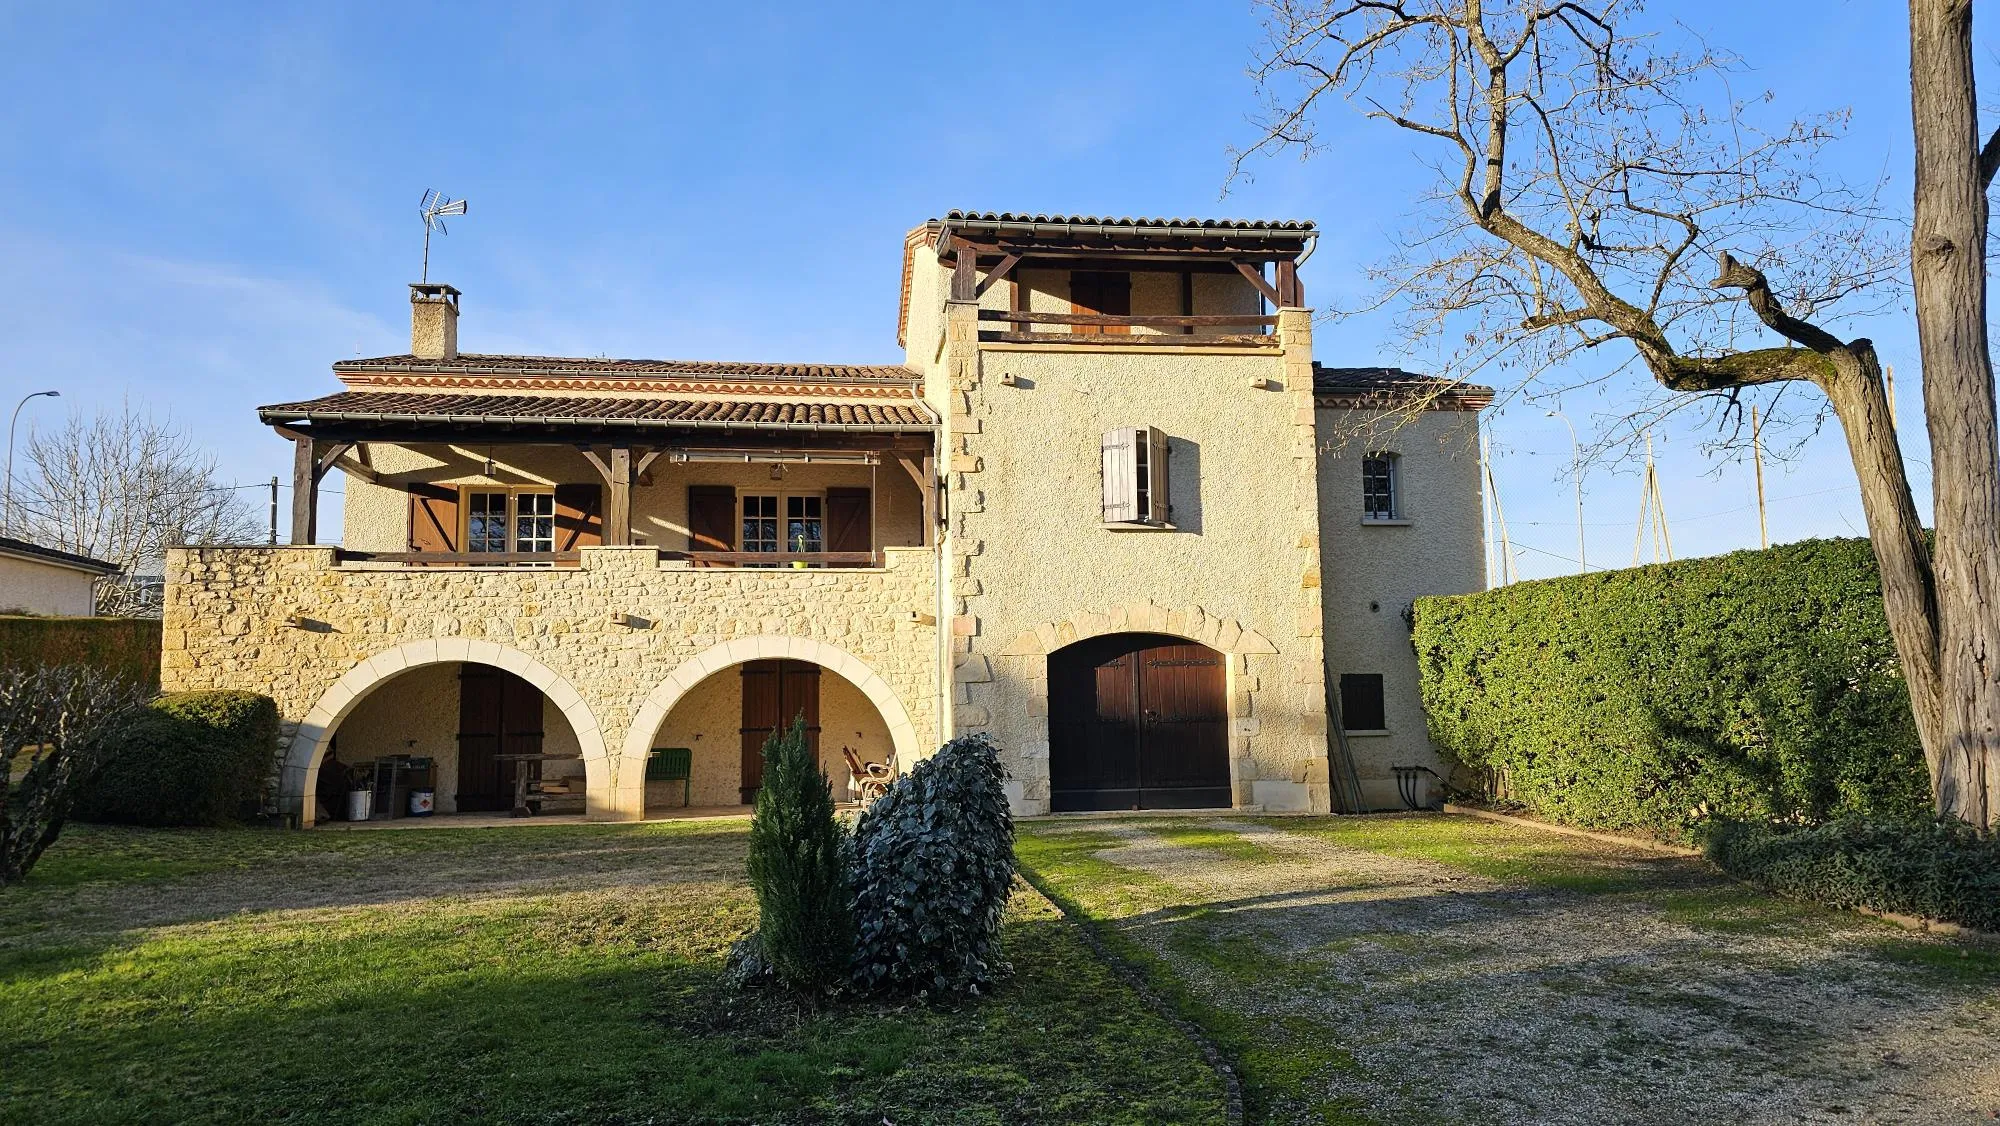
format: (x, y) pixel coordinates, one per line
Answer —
(1393, 465)
(782, 515)
(509, 515)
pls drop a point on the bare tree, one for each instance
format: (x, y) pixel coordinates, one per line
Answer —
(123, 486)
(1587, 177)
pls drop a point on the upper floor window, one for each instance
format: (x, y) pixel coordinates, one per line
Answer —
(1136, 482)
(1100, 293)
(503, 520)
(1380, 499)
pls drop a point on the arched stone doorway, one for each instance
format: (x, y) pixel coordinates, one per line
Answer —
(410, 669)
(706, 706)
(1138, 721)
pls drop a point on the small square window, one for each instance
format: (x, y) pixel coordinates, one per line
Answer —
(1378, 487)
(1361, 702)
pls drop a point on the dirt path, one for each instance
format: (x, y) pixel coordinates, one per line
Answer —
(1613, 987)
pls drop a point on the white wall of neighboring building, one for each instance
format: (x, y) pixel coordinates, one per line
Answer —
(30, 586)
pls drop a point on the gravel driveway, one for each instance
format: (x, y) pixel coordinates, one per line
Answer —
(1443, 969)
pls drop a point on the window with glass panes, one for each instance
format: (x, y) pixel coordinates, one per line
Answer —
(760, 523)
(534, 521)
(486, 522)
(805, 523)
(499, 521)
(1378, 487)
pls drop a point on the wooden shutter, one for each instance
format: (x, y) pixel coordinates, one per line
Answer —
(579, 516)
(433, 517)
(711, 518)
(1121, 476)
(849, 524)
(1103, 293)
(1157, 496)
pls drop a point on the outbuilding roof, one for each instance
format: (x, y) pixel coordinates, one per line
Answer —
(22, 549)
(1392, 383)
(601, 412)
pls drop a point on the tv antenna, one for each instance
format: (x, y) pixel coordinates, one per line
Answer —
(435, 206)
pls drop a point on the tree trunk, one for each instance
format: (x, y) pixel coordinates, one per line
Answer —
(1948, 265)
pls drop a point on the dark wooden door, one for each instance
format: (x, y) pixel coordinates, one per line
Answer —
(774, 694)
(1138, 721)
(498, 714)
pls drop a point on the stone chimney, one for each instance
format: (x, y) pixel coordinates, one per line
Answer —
(433, 321)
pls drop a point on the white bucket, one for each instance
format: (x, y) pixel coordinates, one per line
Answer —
(360, 804)
(423, 803)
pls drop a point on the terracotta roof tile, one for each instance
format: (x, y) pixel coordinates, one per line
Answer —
(1300, 226)
(553, 410)
(468, 363)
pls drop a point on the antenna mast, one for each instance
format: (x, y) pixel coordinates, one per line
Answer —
(434, 207)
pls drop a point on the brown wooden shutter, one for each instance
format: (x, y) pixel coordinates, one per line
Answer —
(1121, 476)
(1157, 496)
(1102, 293)
(579, 516)
(849, 525)
(711, 518)
(433, 517)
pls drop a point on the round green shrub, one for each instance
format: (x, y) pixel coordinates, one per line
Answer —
(933, 867)
(192, 758)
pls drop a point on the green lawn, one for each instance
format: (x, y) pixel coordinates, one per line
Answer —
(539, 974)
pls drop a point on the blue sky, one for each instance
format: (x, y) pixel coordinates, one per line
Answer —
(201, 209)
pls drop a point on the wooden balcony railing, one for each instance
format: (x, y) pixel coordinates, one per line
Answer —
(1127, 339)
(763, 559)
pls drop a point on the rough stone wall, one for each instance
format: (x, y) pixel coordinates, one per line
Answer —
(1375, 571)
(228, 612)
(1027, 552)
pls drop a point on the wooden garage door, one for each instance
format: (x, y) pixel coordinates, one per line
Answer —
(1138, 721)
(774, 694)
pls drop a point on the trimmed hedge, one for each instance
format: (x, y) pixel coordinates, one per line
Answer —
(192, 758)
(1760, 686)
(1940, 868)
(128, 648)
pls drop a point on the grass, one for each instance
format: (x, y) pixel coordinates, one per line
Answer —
(533, 975)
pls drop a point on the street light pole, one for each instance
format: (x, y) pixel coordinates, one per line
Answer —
(7, 513)
(1576, 468)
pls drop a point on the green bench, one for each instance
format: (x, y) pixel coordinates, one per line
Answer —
(672, 764)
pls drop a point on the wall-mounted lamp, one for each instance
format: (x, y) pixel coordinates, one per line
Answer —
(777, 472)
(629, 621)
(1007, 379)
(919, 618)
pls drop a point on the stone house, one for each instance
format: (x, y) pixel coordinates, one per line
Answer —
(1110, 510)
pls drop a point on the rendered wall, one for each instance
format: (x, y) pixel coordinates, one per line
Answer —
(1374, 572)
(30, 587)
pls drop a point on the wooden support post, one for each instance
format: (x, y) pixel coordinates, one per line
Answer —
(1293, 295)
(305, 490)
(618, 507)
(965, 274)
(933, 515)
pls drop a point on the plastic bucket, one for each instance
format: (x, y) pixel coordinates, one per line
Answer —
(360, 804)
(423, 803)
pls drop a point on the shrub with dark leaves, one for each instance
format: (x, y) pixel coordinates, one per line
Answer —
(1939, 868)
(193, 758)
(933, 866)
(798, 868)
(56, 727)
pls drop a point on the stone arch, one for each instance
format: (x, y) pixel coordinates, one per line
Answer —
(315, 733)
(1226, 635)
(631, 796)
